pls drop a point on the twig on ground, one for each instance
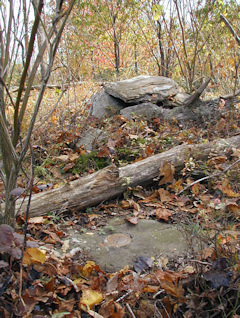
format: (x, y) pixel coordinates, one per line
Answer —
(209, 177)
(200, 262)
(124, 296)
(130, 310)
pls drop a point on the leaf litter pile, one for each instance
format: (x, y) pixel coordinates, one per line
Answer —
(35, 281)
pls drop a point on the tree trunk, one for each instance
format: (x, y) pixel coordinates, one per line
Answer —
(112, 182)
(159, 35)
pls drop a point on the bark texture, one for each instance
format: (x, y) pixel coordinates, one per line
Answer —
(112, 181)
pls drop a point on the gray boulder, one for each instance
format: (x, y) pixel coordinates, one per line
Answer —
(147, 110)
(91, 139)
(142, 89)
(141, 94)
(104, 105)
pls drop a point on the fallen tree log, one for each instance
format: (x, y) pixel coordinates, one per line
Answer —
(111, 182)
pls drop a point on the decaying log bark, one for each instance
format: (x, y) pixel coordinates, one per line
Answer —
(111, 181)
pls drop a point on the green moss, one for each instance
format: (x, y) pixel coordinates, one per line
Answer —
(40, 171)
(127, 155)
(89, 161)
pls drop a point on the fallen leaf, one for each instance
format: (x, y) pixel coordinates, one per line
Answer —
(117, 240)
(63, 158)
(89, 267)
(73, 157)
(165, 195)
(112, 309)
(232, 207)
(177, 186)
(172, 288)
(131, 136)
(17, 192)
(125, 204)
(112, 283)
(69, 166)
(149, 151)
(89, 298)
(226, 188)
(33, 256)
(163, 261)
(24, 308)
(217, 278)
(132, 220)
(189, 269)
(195, 188)
(36, 220)
(167, 171)
(236, 152)
(163, 214)
(142, 264)
(207, 252)
(6, 238)
(105, 152)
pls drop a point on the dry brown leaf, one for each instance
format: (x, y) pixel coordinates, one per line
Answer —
(173, 289)
(112, 284)
(33, 256)
(112, 309)
(63, 158)
(165, 195)
(36, 220)
(233, 207)
(226, 188)
(206, 253)
(167, 171)
(177, 186)
(163, 214)
(89, 298)
(69, 166)
(132, 220)
(73, 157)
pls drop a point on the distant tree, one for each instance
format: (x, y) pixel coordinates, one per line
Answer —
(102, 26)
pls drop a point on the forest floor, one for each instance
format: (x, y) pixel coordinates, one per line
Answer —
(205, 282)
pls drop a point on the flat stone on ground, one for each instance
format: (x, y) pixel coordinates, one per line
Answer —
(148, 238)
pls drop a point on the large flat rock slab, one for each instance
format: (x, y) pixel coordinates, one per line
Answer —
(148, 238)
(142, 89)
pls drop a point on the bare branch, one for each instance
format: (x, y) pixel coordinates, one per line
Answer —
(8, 37)
(230, 28)
(45, 80)
(24, 73)
(9, 95)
